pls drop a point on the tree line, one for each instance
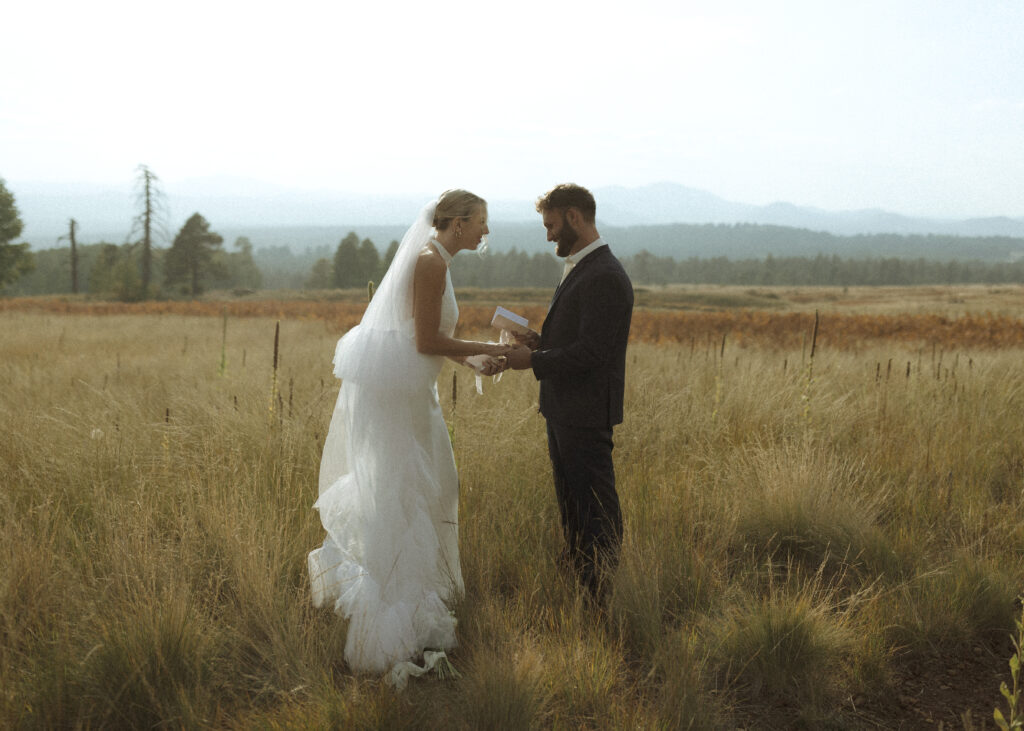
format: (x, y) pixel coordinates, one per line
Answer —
(355, 263)
(757, 241)
(197, 261)
(820, 270)
(111, 271)
(136, 270)
(352, 267)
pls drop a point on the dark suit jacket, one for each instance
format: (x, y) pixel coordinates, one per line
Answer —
(581, 360)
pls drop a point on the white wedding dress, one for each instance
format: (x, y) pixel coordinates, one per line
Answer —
(389, 492)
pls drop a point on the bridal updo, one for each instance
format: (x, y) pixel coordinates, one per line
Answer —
(454, 204)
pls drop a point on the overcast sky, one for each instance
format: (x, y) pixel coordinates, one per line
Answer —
(912, 106)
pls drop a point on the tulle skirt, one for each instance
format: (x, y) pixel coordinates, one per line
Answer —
(389, 502)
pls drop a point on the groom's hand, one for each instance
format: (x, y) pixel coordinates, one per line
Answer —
(530, 339)
(519, 357)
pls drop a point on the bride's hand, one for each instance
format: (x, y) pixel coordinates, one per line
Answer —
(494, 366)
(496, 349)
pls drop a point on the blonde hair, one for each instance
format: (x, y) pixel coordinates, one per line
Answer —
(455, 204)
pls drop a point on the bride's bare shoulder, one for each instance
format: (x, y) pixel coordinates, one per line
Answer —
(429, 264)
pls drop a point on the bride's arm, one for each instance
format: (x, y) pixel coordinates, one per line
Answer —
(428, 289)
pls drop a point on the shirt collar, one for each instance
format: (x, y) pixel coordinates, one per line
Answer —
(574, 259)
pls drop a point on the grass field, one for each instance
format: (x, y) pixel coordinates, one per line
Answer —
(826, 543)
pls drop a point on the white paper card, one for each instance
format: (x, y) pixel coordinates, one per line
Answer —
(507, 320)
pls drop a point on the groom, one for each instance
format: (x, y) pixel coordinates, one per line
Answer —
(579, 357)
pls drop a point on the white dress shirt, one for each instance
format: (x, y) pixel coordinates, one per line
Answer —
(574, 259)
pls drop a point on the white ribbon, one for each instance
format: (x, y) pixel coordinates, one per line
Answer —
(401, 672)
(477, 361)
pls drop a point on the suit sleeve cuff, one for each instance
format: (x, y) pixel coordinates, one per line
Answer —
(538, 362)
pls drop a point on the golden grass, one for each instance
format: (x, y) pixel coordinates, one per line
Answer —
(155, 516)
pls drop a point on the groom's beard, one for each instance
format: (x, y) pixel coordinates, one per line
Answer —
(567, 239)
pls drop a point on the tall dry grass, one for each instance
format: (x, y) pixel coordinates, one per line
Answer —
(790, 541)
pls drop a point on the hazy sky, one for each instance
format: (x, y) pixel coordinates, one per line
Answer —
(914, 106)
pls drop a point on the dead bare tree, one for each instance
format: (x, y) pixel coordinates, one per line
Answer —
(72, 228)
(149, 221)
(73, 225)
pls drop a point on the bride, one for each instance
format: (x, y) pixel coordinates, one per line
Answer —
(389, 490)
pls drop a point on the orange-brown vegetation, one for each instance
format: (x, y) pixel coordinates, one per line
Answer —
(838, 331)
(740, 327)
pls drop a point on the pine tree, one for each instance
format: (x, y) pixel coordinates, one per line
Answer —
(15, 259)
(369, 263)
(346, 263)
(190, 259)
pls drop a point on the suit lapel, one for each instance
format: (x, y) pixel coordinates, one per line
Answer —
(558, 291)
(564, 285)
(574, 273)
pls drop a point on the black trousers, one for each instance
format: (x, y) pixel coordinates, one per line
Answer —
(581, 459)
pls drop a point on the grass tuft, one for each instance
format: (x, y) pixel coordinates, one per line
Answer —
(505, 690)
(784, 646)
(150, 666)
(808, 508)
(970, 601)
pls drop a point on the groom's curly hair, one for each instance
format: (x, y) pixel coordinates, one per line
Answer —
(569, 195)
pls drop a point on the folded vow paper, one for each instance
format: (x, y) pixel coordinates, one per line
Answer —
(507, 320)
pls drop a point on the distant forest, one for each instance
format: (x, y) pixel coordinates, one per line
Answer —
(110, 271)
(199, 258)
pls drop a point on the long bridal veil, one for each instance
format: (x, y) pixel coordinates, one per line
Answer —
(373, 352)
